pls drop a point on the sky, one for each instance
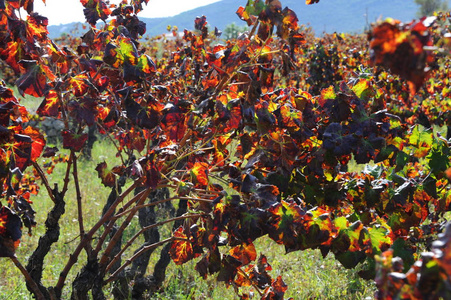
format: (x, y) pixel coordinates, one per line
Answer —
(67, 11)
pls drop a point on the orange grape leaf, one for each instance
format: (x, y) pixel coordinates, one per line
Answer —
(279, 287)
(36, 27)
(251, 12)
(244, 253)
(403, 49)
(199, 173)
(59, 57)
(26, 4)
(181, 250)
(12, 54)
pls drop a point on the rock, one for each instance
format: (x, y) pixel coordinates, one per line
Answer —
(58, 125)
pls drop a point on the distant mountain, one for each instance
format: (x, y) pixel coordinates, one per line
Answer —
(325, 16)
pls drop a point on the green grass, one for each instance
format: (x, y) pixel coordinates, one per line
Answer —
(307, 274)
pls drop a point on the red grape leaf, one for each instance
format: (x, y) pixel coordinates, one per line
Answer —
(89, 65)
(6, 112)
(145, 117)
(173, 122)
(108, 116)
(50, 105)
(33, 82)
(200, 22)
(152, 173)
(137, 5)
(80, 84)
(73, 141)
(6, 94)
(210, 263)
(145, 66)
(12, 54)
(21, 148)
(50, 151)
(288, 24)
(38, 144)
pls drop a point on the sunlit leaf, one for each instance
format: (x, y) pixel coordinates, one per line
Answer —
(36, 26)
(199, 172)
(181, 250)
(38, 144)
(244, 253)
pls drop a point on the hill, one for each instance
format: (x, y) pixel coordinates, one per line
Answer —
(325, 16)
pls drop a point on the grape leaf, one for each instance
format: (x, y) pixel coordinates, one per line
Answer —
(244, 253)
(74, 141)
(10, 232)
(33, 82)
(107, 177)
(49, 106)
(181, 250)
(95, 10)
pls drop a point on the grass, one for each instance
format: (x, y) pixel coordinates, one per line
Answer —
(307, 274)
